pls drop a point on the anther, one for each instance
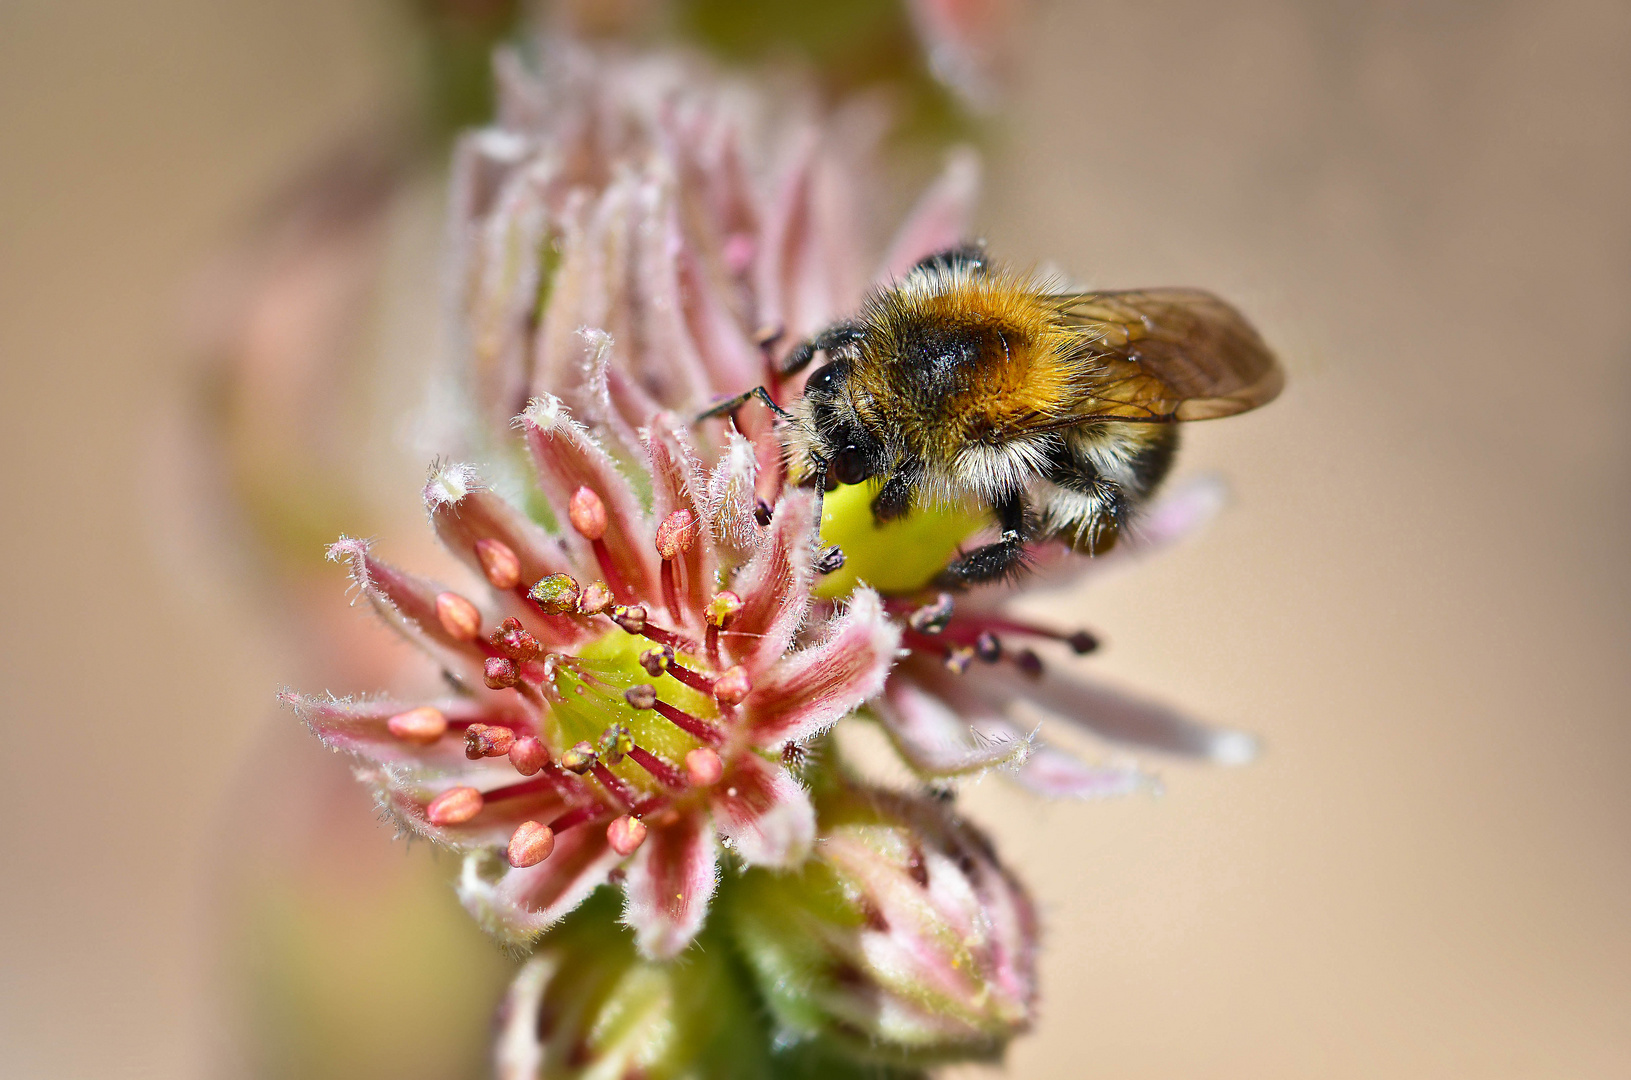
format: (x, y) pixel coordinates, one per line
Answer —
(958, 659)
(932, 617)
(487, 740)
(513, 641)
(988, 647)
(578, 758)
(626, 834)
(677, 533)
(421, 726)
(458, 616)
(499, 672)
(656, 661)
(703, 767)
(762, 511)
(1081, 642)
(732, 686)
(528, 754)
(615, 743)
(643, 696)
(631, 618)
(831, 559)
(531, 844)
(499, 562)
(556, 594)
(1028, 662)
(455, 806)
(595, 599)
(587, 514)
(722, 608)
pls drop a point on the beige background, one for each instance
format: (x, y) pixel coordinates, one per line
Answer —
(1419, 596)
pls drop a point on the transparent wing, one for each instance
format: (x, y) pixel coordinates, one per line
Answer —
(1167, 354)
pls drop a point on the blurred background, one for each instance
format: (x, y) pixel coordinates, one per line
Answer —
(1419, 596)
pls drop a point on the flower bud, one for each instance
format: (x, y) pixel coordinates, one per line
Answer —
(587, 1005)
(902, 939)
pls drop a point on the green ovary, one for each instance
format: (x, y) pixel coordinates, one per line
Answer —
(898, 557)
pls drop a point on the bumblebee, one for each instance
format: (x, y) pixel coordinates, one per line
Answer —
(1058, 410)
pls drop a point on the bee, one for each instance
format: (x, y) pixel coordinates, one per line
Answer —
(1057, 410)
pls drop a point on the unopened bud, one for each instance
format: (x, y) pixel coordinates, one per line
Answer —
(656, 661)
(458, 616)
(578, 758)
(499, 562)
(723, 608)
(631, 618)
(531, 844)
(641, 696)
(615, 743)
(487, 740)
(830, 560)
(1082, 642)
(626, 834)
(528, 754)
(988, 647)
(932, 618)
(455, 806)
(555, 595)
(677, 533)
(900, 904)
(595, 599)
(732, 686)
(587, 514)
(499, 672)
(703, 767)
(421, 726)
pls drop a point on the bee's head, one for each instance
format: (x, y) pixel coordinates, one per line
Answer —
(828, 436)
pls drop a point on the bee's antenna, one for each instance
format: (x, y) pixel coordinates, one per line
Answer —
(730, 405)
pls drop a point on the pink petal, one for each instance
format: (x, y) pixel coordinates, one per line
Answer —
(359, 728)
(942, 218)
(408, 602)
(679, 483)
(936, 740)
(670, 882)
(521, 904)
(567, 458)
(731, 496)
(775, 586)
(1053, 773)
(765, 813)
(810, 690)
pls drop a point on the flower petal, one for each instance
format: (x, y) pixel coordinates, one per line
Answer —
(1053, 773)
(765, 813)
(679, 483)
(670, 883)
(937, 740)
(810, 690)
(731, 496)
(521, 904)
(775, 586)
(408, 602)
(567, 458)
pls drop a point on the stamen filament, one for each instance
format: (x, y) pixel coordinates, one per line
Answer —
(665, 774)
(689, 724)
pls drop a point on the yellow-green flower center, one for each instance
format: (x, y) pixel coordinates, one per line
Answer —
(896, 558)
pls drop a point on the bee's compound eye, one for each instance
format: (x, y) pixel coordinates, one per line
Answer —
(849, 467)
(823, 380)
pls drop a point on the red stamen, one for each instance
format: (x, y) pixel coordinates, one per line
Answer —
(694, 679)
(671, 592)
(689, 724)
(614, 786)
(665, 774)
(576, 816)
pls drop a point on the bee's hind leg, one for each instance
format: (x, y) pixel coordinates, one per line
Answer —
(1003, 559)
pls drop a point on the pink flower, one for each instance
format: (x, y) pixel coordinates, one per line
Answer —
(617, 712)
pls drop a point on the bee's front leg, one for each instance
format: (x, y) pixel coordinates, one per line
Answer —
(894, 499)
(1003, 559)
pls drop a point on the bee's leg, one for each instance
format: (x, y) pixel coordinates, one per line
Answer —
(894, 499)
(829, 339)
(1002, 559)
(730, 405)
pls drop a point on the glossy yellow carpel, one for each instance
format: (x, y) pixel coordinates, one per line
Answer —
(897, 558)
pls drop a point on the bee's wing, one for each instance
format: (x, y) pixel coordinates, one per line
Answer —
(1167, 354)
